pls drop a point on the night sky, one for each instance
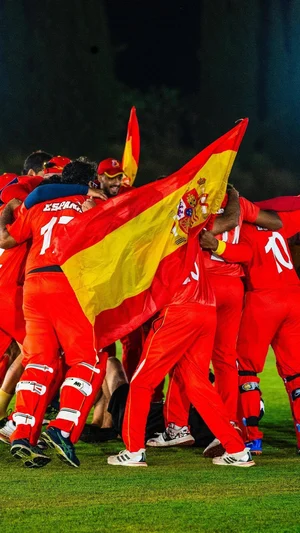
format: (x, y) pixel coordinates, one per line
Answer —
(156, 43)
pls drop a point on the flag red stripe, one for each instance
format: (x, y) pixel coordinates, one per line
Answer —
(113, 324)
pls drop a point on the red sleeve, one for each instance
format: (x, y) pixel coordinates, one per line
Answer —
(281, 203)
(20, 230)
(20, 190)
(291, 222)
(249, 211)
(237, 253)
(241, 252)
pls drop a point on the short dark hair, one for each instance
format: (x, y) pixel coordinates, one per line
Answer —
(55, 178)
(35, 161)
(79, 171)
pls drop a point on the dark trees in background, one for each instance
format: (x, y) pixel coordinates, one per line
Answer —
(65, 88)
(249, 63)
(57, 84)
(246, 64)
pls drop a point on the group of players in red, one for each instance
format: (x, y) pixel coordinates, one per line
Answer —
(210, 318)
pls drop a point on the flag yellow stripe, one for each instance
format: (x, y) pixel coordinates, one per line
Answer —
(129, 164)
(144, 241)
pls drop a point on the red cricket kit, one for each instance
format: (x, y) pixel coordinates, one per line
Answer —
(229, 292)
(225, 279)
(12, 266)
(271, 315)
(182, 335)
(12, 324)
(54, 320)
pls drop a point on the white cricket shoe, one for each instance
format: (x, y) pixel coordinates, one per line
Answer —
(6, 431)
(243, 458)
(126, 458)
(172, 436)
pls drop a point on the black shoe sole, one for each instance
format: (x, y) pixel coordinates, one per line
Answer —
(29, 458)
(216, 451)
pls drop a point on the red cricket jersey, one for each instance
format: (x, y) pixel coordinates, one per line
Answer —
(216, 264)
(12, 264)
(42, 223)
(196, 287)
(268, 264)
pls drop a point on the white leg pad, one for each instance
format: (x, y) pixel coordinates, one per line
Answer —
(23, 418)
(31, 386)
(43, 368)
(79, 384)
(91, 367)
(72, 415)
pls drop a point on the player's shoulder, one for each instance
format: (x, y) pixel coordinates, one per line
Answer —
(248, 230)
(246, 205)
(72, 203)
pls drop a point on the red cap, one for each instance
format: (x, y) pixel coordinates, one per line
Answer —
(20, 188)
(56, 164)
(110, 167)
(6, 178)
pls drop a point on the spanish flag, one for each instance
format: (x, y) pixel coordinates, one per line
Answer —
(131, 154)
(126, 257)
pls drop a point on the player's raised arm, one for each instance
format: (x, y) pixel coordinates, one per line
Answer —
(269, 220)
(61, 190)
(230, 218)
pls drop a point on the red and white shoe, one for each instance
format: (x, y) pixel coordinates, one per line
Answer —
(172, 436)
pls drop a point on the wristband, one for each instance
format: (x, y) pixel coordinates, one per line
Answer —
(220, 248)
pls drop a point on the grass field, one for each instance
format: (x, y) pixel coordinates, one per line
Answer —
(179, 491)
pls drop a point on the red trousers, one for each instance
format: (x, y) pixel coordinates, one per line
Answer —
(132, 348)
(270, 317)
(12, 323)
(54, 320)
(229, 292)
(182, 335)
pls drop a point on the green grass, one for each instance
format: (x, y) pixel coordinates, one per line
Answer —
(179, 491)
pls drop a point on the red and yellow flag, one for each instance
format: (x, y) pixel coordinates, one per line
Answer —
(131, 154)
(126, 257)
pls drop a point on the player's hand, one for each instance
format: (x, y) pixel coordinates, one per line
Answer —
(97, 193)
(89, 203)
(208, 240)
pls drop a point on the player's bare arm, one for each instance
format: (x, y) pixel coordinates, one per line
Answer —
(269, 220)
(7, 217)
(230, 218)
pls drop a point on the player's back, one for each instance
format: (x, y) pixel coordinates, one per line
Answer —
(12, 264)
(43, 224)
(271, 266)
(216, 264)
(196, 286)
